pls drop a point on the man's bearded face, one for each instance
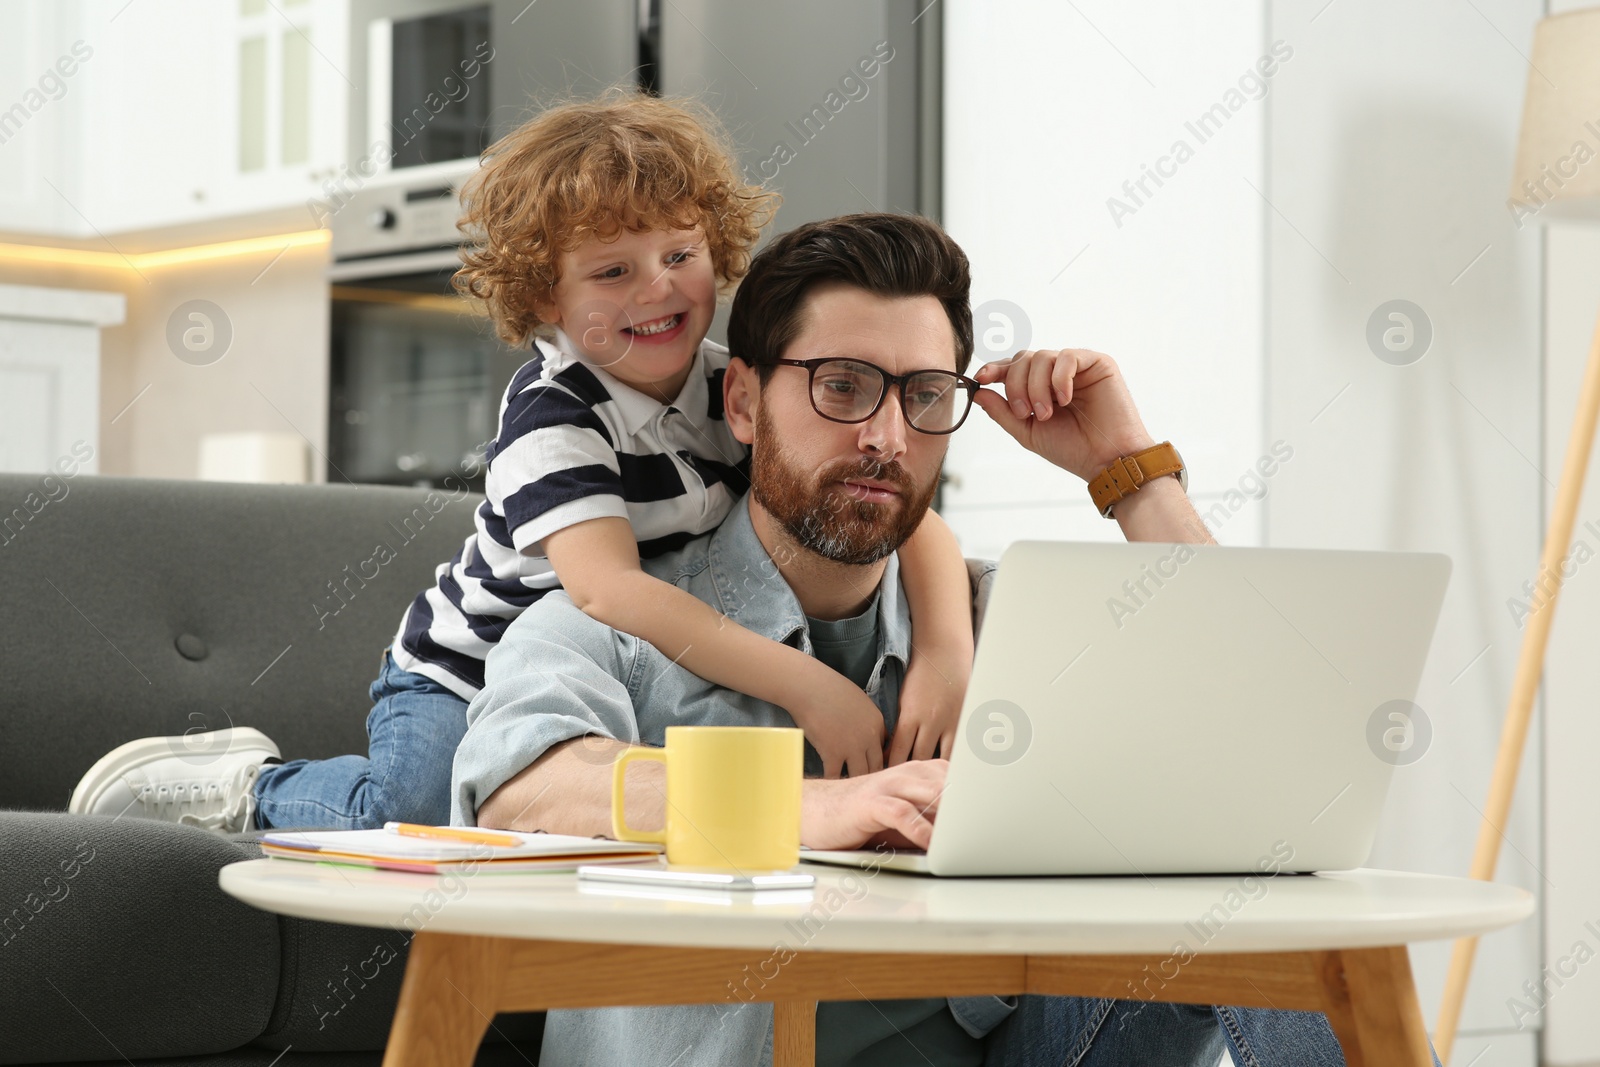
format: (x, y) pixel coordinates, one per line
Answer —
(817, 510)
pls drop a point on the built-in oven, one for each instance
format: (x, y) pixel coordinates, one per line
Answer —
(416, 372)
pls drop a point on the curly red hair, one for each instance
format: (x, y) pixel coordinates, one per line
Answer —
(590, 168)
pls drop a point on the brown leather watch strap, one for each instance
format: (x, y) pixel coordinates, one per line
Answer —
(1125, 476)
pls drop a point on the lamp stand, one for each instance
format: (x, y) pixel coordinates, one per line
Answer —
(1525, 686)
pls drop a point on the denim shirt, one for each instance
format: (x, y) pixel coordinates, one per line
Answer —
(558, 674)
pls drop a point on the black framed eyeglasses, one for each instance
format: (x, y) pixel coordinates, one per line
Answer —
(849, 390)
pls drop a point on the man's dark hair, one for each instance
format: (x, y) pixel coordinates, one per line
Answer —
(890, 255)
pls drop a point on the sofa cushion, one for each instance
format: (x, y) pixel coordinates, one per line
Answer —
(141, 607)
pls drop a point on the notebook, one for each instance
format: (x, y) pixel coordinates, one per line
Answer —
(394, 852)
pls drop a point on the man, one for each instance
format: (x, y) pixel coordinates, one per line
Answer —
(807, 558)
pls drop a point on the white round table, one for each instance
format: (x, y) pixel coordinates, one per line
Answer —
(514, 942)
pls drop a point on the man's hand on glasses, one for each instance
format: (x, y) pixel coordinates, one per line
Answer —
(1071, 406)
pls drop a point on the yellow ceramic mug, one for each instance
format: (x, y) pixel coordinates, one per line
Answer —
(733, 796)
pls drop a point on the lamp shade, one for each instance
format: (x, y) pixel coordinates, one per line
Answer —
(1557, 173)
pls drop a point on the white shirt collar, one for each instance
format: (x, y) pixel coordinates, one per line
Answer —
(638, 408)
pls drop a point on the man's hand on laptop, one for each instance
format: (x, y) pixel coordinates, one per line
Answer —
(895, 806)
(1071, 406)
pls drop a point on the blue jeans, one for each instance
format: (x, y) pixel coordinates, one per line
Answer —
(1088, 1032)
(1096, 1032)
(1041, 1032)
(412, 733)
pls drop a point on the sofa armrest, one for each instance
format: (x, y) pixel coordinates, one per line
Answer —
(116, 941)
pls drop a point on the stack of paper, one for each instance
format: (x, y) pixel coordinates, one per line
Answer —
(391, 851)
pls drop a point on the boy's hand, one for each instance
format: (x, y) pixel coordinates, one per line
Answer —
(930, 707)
(1071, 406)
(841, 722)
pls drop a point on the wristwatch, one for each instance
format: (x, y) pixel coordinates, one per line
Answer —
(1128, 473)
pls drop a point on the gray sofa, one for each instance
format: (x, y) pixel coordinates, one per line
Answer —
(137, 607)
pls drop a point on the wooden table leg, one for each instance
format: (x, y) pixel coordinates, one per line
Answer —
(454, 985)
(449, 996)
(1371, 1001)
(794, 1033)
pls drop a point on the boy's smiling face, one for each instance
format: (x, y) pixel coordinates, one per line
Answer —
(638, 304)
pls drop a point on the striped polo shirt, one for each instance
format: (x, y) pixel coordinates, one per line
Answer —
(574, 444)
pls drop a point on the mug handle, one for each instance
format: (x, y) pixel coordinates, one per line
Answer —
(619, 821)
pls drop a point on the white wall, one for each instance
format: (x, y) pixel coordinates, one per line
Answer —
(1391, 141)
(1572, 672)
(272, 379)
(1048, 111)
(1381, 154)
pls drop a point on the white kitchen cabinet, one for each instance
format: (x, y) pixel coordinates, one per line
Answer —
(175, 113)
(40, 120)
(50, 376)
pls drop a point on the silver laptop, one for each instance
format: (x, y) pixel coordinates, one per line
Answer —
(1150, 708)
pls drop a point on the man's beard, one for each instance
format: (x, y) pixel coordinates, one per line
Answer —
(821, 517)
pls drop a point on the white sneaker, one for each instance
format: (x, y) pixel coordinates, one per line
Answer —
(203, 779)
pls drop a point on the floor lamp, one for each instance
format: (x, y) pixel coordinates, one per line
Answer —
(1557, 176)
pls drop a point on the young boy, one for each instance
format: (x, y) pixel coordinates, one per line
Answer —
(607, 229)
